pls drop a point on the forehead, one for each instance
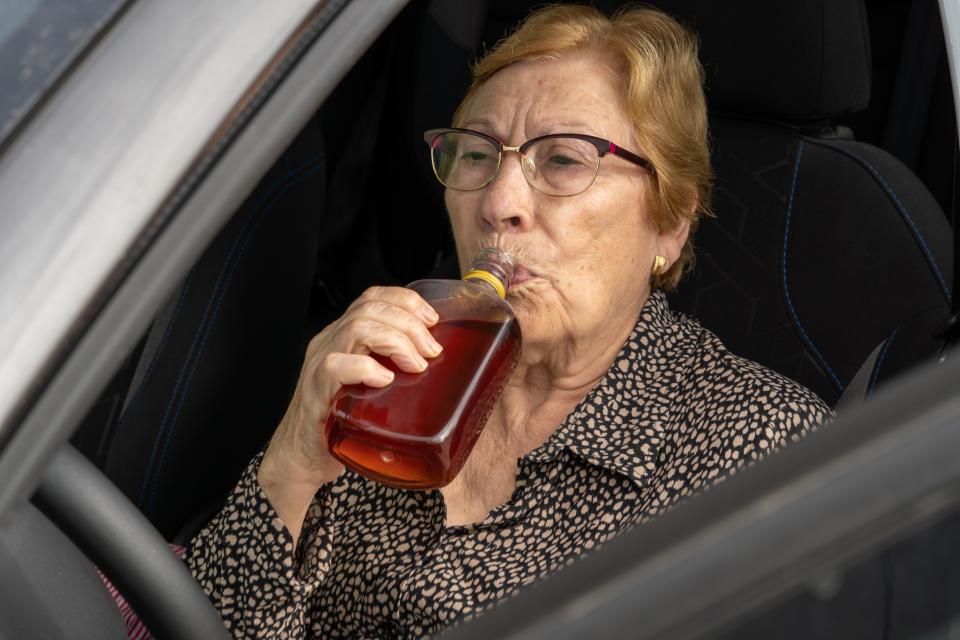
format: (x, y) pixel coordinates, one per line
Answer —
(574, 94)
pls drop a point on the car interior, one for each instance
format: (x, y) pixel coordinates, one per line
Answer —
(830, 258)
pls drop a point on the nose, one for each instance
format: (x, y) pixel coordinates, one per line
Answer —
(508, 200)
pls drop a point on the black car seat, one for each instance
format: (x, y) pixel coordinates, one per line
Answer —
(211, 379)
(823, 249)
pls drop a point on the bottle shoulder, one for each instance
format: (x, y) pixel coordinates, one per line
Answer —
(464, 299)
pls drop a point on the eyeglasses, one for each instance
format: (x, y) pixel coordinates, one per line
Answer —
(559, 164)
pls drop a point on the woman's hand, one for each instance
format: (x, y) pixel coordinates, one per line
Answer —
(389, 321)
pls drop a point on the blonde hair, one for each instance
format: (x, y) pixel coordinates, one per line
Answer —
(663, 94)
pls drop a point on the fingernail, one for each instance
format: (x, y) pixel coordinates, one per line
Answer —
(386, 375)
(435, 347)
(421, 362)
(430, 314)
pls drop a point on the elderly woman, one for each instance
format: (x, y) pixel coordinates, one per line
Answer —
(618, 407)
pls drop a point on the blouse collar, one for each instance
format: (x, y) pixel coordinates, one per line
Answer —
(620, 425)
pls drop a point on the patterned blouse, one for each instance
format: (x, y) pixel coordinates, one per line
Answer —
(675, 413)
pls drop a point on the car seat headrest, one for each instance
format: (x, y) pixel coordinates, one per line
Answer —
(796, 59)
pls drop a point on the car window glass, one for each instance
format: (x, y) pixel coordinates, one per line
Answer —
(39, 39)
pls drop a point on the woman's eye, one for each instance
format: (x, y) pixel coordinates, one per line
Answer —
(476, 156)
(561, 160)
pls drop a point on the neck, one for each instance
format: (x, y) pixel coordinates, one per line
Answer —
(547, 386)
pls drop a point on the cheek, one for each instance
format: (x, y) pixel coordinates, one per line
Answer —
(608, 254)
(605, 241)
(457, 209)
(454, 204)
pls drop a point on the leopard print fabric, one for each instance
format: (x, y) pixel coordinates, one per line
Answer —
(675, 413)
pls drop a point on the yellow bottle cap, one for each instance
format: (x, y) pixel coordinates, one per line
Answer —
(489, 277)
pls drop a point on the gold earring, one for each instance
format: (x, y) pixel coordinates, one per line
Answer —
(659, 262)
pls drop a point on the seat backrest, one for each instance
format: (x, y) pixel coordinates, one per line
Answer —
(214, 374)
(822, 247)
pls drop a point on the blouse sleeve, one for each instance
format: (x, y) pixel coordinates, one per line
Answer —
(768, 411)
(246, 562)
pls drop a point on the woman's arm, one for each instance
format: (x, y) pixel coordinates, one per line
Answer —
(389, 321)
(246, 558)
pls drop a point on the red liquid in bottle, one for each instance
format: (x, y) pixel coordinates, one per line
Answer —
(417, 432)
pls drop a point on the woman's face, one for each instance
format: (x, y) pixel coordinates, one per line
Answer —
(584, 260)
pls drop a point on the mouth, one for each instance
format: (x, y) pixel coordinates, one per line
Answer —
(522, 275)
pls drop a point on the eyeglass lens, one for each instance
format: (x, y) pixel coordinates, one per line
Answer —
(554, 166)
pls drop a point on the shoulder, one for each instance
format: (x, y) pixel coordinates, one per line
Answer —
(746, 395)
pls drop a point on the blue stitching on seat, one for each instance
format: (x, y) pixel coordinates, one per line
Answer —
(786, 291)
(156, 355)
(903, 210)
(266, 203)
(193, 344)
(876, 368)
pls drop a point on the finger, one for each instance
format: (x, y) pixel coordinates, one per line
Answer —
(353, 368)
(368, 335)
(401, 320)
(407, 299)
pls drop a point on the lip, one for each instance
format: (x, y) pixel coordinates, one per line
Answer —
(522, 274)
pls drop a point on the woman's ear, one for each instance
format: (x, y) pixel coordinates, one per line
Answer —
(670, 242)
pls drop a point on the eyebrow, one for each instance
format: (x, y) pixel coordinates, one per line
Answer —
(567, 126)
(480, 124)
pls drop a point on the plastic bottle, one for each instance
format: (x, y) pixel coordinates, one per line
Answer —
(417, 432)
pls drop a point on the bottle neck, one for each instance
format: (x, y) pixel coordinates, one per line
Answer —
(496, 267)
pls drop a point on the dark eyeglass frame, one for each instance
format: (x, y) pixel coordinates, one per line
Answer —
(603, 148)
